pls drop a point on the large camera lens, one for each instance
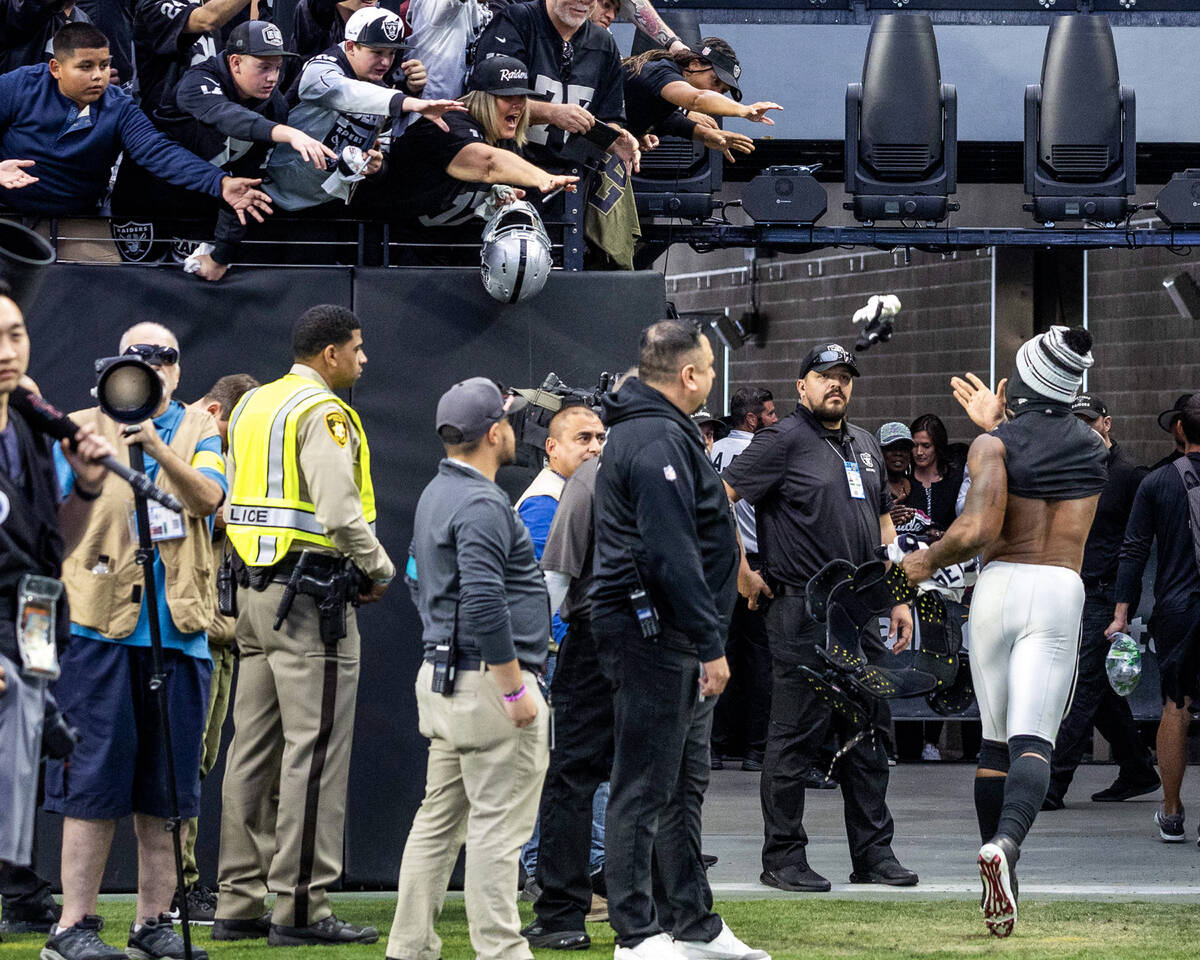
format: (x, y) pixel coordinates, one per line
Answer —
(129, 390)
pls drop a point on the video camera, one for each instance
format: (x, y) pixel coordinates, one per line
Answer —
(532, 427)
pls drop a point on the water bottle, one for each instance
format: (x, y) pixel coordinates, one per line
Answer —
(1123, 664)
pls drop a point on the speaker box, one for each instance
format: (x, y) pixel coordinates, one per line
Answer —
(784, 195)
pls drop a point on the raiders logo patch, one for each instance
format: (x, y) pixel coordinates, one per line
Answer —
(134, 240)
(336, 424)
(391, 28)
(271, 34)
(867, 461)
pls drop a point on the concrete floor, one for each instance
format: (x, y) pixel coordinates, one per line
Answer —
(1087, 851)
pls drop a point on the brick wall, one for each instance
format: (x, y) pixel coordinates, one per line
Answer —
(944, 327)
(1146, 354)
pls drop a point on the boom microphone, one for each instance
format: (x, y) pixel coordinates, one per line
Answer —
(46, 418)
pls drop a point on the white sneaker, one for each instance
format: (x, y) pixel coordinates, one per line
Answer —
(930, 753)
(724, 946)
(658, 947)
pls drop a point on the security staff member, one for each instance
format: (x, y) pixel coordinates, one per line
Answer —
(664, 583)
(36, 532)
(818, 488)
(1094, 701)
(300, 512)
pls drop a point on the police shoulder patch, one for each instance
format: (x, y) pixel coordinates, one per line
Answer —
(339, 429)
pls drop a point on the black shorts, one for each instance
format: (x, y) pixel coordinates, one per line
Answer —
(1177, 642)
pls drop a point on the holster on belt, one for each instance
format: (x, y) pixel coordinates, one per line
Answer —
(332, 582)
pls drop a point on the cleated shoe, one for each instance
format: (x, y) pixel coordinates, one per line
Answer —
(157, 940)
(997, 861)
(81, 942)
(201, 904)
(1170, 826)
(724, 946)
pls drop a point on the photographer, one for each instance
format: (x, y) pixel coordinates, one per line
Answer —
(665, 580)
(36, 530)
(483, 601)
(120, 765)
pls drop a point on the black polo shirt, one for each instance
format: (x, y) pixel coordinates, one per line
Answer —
(1102, 552)
(794, 474)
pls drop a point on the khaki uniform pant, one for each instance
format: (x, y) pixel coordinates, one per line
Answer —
(218, 707)
(482, 786)
(284, 796)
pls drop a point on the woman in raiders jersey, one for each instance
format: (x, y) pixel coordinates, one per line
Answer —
(439, 178)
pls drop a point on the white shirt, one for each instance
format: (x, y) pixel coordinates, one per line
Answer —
(724, 452)
(442, 31)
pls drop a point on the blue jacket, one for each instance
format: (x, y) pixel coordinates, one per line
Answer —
(73, 155)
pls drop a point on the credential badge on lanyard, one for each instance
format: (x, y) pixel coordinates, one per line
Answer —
(37, 606)
(853, 474)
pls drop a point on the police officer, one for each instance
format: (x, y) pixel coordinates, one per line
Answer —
(818, 488)
(300, 512)
(36, 532)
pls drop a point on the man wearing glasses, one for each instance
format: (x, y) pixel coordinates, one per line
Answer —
(819, 491)
(119, 767)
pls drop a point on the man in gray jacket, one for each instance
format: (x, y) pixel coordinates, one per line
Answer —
(343, 102)
(486, 617)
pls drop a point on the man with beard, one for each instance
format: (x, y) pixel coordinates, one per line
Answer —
(819, 492)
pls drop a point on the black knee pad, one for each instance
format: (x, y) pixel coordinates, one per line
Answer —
(993, 755)
(1024, 743)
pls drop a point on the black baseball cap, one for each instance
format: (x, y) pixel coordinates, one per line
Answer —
(1167, 418)
(471, 406)
(502, 76)
(724, 63)
(826, 357)
(256, 38)
(376, 27)
(1089, 406)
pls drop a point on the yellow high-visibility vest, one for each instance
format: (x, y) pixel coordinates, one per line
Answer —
(266, 514)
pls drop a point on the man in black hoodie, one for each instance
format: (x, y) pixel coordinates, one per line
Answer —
(665, 580)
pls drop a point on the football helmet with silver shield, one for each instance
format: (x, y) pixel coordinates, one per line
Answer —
(515, 257)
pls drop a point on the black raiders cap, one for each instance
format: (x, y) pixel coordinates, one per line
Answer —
(1089, 406)
(724, 63)
(257, 38)
(827, 356)
(373, 27)
(502, 76)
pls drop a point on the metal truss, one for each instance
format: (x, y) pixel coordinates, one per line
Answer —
(1134, 13)
(799, 238)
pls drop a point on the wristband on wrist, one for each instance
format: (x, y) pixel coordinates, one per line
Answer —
(85, 496)
(515, 695)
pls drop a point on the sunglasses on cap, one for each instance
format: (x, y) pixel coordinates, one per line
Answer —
(153, 354)
(834, 356)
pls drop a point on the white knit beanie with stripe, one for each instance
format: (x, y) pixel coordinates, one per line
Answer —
(1051, 368)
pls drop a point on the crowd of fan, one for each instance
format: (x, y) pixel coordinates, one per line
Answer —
(168, 113)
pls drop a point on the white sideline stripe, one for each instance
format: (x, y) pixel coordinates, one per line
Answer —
(1080, 891)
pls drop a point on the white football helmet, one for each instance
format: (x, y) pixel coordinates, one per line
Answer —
(515, 257)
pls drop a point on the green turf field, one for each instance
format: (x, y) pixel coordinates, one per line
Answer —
(879, 930)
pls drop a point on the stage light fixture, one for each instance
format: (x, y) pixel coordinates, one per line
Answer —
(901, 126)
(1080, 130)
